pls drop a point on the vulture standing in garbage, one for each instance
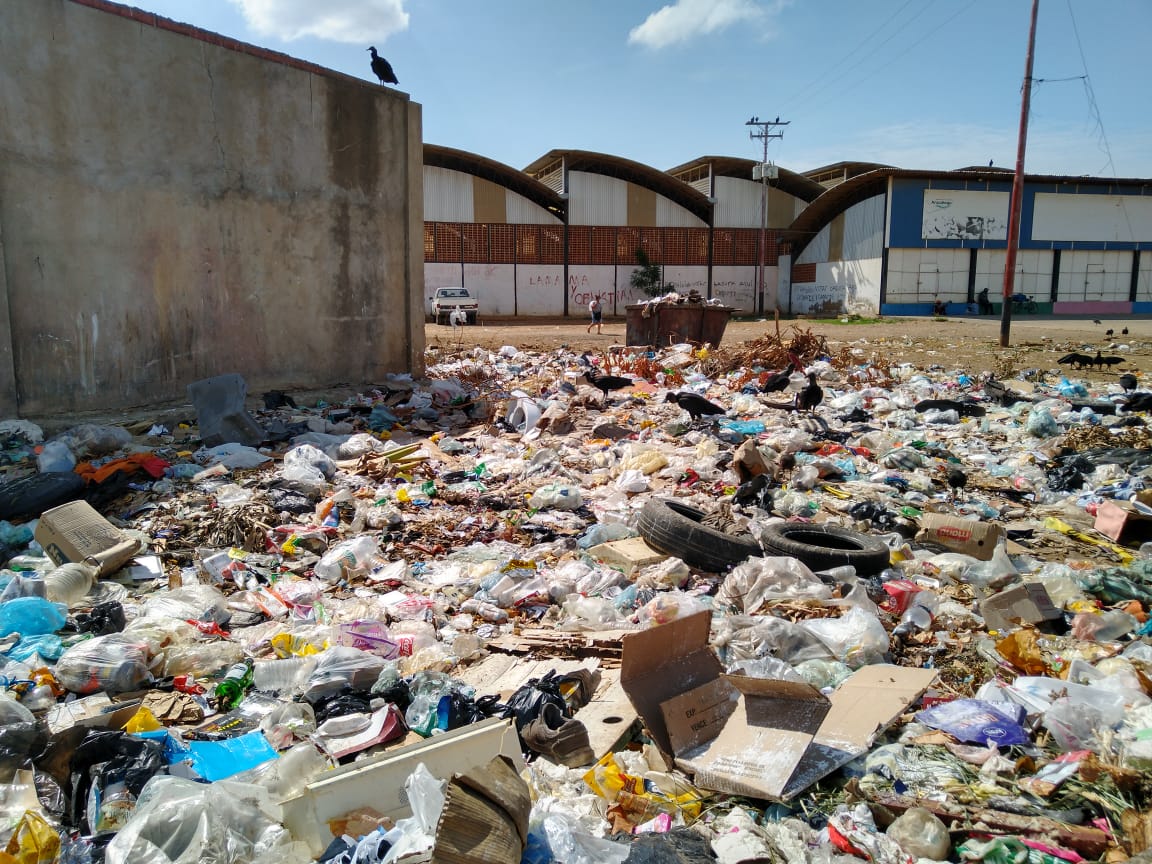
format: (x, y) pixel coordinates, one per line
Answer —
(696, 406)
(778, 381)
(382, 69)
(1128, 382)
(811, 396)
(605, 383)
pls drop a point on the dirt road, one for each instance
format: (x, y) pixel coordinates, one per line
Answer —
(962, 343)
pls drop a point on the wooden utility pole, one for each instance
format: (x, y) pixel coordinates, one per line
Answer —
(1017, 188)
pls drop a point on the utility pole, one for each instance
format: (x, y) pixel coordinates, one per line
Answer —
(1017, 188)
(763, 133)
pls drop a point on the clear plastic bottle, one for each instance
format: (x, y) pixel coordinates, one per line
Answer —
(488, 611)
(69, 583)
(342, 560)
(918, 616)
(281, 675)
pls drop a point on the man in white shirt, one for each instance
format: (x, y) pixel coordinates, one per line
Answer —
(597, 312)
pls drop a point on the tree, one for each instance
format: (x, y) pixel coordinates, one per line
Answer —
(647, 278)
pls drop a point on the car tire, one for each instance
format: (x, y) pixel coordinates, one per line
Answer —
(471, 317)
(674, 528)
(823, 547)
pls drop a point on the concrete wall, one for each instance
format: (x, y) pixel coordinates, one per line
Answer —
(174, 206)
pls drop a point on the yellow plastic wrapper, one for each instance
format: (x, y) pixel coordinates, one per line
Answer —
(34, 841)
(1022, 650)
(142, 721)
(286, 645)
(638, 800)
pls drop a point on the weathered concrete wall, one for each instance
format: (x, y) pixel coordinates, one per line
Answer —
(173, 209)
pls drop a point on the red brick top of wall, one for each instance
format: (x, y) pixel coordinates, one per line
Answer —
(161, 23)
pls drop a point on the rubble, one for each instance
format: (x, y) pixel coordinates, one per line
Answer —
(500, 615)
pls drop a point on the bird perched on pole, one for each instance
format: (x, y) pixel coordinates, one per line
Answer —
(696, 406)
(382, 69)
(811, 396)
(778, 381)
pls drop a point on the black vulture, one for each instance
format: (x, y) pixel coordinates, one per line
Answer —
(1096, 321)
(605, 383)
(382, 69)
(1075, 359)
(957, 479)
(778, 381)
(811, 396)
(1110, 361)
(1128, 381)
(274, 399)
(1139, 402)
(752, 491)
(1124, 332)
(1109, 332)
(696, 406)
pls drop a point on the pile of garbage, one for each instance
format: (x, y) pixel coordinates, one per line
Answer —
(645, 606)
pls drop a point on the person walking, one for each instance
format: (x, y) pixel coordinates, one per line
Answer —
(597, 312)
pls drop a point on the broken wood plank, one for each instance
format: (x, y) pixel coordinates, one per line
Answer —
(609, 717)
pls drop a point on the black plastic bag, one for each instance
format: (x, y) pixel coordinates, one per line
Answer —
(347, 701)
(102, 619)
(31, 496)
(116, 758)
(529, 700)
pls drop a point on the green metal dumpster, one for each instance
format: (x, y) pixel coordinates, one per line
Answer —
(669, 323)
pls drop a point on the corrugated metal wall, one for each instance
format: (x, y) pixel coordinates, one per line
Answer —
(817, 251)
(864, 230)
(738, 205)
(447, 195)
(524, 212)
(594, 199)
(669, 214)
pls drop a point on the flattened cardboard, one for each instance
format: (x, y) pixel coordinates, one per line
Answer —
(1029, 603)
(751, 736)
(967, 536)
(1123, 522)
(629, 554)
(76, 532)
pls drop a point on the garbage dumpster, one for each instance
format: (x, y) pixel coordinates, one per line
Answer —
(668, 323)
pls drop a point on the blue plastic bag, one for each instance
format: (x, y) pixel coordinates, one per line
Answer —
(31, 616)
(976, 721)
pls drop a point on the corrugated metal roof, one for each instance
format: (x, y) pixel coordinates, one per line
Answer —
(499, 173)
(796, 185)
(634, 172)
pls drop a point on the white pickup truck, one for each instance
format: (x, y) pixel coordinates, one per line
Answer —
(447, 300)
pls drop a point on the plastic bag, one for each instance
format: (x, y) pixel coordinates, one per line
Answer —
(758, 581)
(921, 834)
(34, 841)
(31, 616)
(556, 496)
(857, 638)
(341, 667)
(55, 458)
(526, 703)
(1041, 424)
(116, 663)
(669, 606)
(743, 637)
(977, 722)
(417, 834)
(1075, 726)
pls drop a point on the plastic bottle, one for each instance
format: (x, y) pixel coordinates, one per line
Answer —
(69, 583)
(487, 611)
(344, 559)
(919, 614)
(236, 682)
(280, 675)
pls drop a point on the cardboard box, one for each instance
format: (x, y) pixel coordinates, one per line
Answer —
(752, 736)
(76, 532)
(91, 711)
(967, 536)
(1029, 603)
(1124, 522)
(629, 554)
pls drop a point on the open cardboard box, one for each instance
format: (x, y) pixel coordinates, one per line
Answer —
(76, 532)
(1125, 522)
(966, 536)
(752, 736)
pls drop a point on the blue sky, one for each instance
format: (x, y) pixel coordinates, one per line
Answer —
(931, 84)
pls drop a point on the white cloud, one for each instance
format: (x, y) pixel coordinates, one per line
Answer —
(685, 19)
(354, 21)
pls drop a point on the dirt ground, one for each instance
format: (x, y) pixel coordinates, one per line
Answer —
(971, 345)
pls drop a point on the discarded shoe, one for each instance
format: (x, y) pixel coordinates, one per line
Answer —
(578, 687)
(560, 739)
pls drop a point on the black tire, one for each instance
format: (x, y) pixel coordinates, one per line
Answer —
(823, 547)
(674, 529)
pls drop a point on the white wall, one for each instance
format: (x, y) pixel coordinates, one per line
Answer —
(685, 278)
(735, 286)
(493, 286)
(1092, 217)
(922, 275)
(669, 214)
(1094, 275)
(585, 281)
(1033, 274)
(964, 215)
(1144, 279)
(539, 289)
(521, 211)
(850, 286)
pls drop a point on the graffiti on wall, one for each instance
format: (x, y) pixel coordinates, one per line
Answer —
(817, 298)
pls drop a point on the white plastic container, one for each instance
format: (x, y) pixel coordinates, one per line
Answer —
(70, 583)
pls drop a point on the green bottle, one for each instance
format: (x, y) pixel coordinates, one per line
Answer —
(231, 690)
